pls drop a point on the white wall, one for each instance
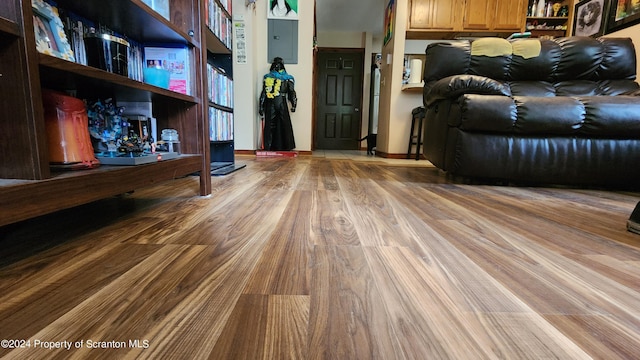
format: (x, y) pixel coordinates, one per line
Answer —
(341, 39)
(248, 77)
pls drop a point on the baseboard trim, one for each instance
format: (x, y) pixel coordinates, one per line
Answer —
(397, 156)
(253, 152)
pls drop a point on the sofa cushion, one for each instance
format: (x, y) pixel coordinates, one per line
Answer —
(446, 59)
(488, 113)
(453, 86)
(588, 116)
(615, 63)
(580, 60)
(618, 87)
(532, 88)
(548, 115)
(611, 116)
(577, 88)
(538, 68)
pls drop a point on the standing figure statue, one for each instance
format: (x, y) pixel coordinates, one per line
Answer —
(277, 88)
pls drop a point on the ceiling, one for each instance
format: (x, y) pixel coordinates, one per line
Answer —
(350, 15)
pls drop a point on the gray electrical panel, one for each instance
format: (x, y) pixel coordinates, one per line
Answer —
(283, 40)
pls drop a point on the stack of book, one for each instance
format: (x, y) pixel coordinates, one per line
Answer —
(218, 20)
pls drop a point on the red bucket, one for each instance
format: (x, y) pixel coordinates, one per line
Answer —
(67, 127)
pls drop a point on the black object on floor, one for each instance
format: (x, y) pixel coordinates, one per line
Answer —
(224, 168)
(417, 115)
(633, 224)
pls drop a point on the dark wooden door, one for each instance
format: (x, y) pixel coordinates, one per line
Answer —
(339, 92)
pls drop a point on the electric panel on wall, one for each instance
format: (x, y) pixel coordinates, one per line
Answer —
(283, 40)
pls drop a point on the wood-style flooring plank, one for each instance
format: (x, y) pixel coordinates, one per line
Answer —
(347, 317)
(331, 220)
(374, 219)
(283, 266)
(244, 334)
(287, 327)
(431, 321)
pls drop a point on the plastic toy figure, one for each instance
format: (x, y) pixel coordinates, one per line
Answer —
(277, 89)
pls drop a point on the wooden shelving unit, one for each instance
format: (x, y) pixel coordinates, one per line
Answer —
(218, 55)
(9, 27)
(28, 186)
(551, 26)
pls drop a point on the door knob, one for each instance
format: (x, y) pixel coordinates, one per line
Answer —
(357, 110)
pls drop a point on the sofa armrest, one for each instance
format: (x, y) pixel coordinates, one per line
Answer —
(453, 86)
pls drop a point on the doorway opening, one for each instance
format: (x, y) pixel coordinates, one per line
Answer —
(339, 85)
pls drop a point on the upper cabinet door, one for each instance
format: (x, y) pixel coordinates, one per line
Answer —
(478, 14)
(510, 15)
(434, 15)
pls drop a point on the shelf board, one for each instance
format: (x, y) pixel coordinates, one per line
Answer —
(548, 18)
(9, 27)
(413, 88)
(62, 74)
(131, 18)
(214, 44)
(24, 199)
(220, 107)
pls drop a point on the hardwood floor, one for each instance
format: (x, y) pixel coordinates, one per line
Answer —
(317, 258)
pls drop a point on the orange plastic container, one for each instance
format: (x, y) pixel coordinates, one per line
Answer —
(67, 127)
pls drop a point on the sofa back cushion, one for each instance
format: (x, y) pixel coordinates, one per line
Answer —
(553, 61)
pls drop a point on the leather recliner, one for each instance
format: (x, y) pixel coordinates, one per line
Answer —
(562, 111)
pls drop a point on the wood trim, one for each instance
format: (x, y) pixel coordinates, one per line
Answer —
(253, 152)
(386, 155)
(20, 200)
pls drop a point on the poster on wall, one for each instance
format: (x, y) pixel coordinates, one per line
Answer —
(241, 42)
(282, 9)
(389, 17)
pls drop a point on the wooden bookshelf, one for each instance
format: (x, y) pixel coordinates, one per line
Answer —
(28, 186)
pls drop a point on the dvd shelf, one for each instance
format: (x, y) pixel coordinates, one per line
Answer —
(220, 124)
(220, 87)
(218, 20)
(219, 84)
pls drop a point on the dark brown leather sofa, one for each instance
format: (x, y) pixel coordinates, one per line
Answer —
(562, 111)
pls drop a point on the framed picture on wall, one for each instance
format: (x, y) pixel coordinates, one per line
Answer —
(623, 13)
(49, 31)
(590, 17)
(282, 9)
(389, 16)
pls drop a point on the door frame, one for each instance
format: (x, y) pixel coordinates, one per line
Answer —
(316, 82)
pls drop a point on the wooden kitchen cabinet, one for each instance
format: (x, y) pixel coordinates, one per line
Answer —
(509, 15)
(443, 19)
(477, 15)
(434, 14)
